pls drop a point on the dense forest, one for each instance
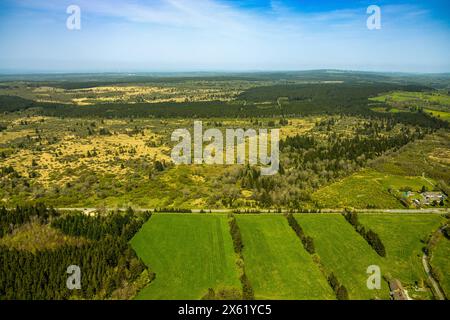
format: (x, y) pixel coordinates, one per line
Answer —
(109, 267)
(11, 219)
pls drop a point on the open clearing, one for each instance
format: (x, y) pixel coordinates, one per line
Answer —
(188, 253)
(34, 236)
(276, 262)
(425, 98)
(344, 252)
(440, 114)
(367, 188)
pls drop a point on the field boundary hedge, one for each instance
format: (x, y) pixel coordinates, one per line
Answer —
(372, 238)
(308, 243)
(247, 290)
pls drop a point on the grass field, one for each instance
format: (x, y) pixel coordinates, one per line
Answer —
(403, 235)
(435, 103)
(276, 263)
(344, 252)
(191, 253)
(368, 188)
(359, 190)
(440, 262)
(384, 109)
(440, 114)
(188, 253)
(438, 98)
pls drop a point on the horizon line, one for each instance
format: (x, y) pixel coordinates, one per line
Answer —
(212, 71)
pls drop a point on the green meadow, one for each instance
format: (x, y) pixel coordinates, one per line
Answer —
(188, 254)
(440, 114)
(276, 262)
(344, 252)
(408, 96)
(404, 236)
(435, 103)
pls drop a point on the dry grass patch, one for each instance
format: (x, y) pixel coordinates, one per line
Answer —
(34, 236)
(7, 136)
(297, 126)
(440, 155)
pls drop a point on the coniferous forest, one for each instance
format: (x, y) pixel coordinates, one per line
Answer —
(109, 267)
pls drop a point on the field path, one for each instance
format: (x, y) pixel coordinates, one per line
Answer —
(438, 291)
(426, 179)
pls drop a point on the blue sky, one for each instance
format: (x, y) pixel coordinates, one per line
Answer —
(223, 35)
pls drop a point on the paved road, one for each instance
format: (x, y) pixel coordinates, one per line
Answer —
(336, 211)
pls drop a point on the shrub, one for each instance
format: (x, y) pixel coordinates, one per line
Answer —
(342, 293)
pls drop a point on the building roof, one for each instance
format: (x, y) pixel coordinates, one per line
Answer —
(397, 291)
(432, 194)
(395, 284)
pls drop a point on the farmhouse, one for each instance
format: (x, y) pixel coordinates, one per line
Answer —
(431, 197)
(397, 291)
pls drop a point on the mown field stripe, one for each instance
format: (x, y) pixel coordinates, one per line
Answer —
(189, 253)
(404, 236)
(276, 263)
(344, 252)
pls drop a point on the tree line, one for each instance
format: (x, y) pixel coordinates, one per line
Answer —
(308, 243)
(372, 238)
(236, 236)
(116, 224)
